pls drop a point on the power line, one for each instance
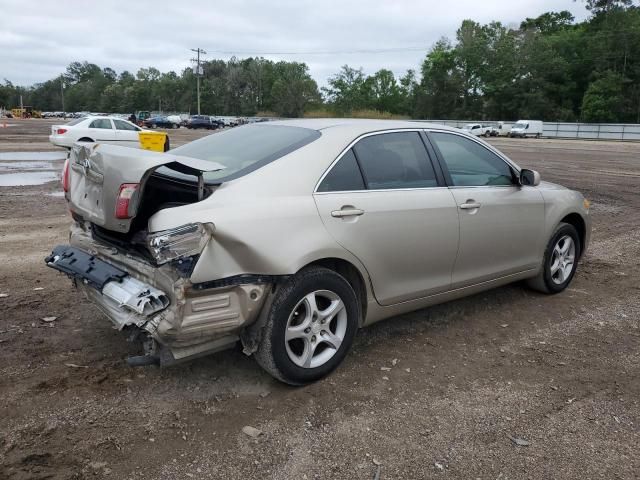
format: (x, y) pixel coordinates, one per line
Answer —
(198, 71)
(322, 52)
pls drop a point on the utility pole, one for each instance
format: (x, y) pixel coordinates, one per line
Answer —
(197, 60)
(62, 91)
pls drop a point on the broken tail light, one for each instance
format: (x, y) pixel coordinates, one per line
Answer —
(126, 201)
(180, 242)
(65, 175)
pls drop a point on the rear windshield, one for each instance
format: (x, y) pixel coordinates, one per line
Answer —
(76, 121)
(245, 149)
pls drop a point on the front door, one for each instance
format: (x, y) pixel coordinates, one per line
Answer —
(126, 134)
(382, 202)
(501, 222)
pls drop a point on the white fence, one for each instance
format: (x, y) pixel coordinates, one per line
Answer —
(586, 131)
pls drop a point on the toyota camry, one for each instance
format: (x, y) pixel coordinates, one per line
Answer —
(290, 236)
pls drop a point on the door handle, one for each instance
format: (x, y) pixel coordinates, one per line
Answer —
(470, 205)
(347, 212)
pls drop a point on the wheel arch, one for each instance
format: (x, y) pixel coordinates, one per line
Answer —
(351, 273)
(580, 225)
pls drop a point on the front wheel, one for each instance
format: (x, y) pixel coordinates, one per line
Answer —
(310, 327)
(560, 261)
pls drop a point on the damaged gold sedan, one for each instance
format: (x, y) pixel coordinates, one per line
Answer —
(289, 236)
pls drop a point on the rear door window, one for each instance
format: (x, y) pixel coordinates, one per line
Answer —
(395, 160)
(345, 176)
(103, 123)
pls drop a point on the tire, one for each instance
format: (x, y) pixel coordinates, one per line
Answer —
(486, 134)
(555, 281)
(167, 144)
(289, 360)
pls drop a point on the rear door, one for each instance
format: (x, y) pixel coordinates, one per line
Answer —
(501, 222)
(383, 201)
(126, 133)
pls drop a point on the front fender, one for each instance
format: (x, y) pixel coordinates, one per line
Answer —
(560, 203)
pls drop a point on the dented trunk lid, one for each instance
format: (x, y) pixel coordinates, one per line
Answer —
(96, 172)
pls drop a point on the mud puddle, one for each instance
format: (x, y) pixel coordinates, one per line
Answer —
(33, 156)
(21, 165)
(27, 178)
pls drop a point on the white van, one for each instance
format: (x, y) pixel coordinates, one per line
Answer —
(527, 128)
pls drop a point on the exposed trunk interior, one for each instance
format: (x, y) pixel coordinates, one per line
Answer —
(160, 191)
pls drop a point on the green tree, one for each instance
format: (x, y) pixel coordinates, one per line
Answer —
(471, 62)
(346, 90)
(441, 88)
(549, 22)
(604, 100)
(294, 89)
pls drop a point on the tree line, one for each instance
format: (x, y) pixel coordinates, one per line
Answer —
(550, 68)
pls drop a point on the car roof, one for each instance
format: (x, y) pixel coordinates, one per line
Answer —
(112, 117)
(361, 124)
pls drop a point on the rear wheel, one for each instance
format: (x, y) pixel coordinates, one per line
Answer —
(560, 261)
(311, 326)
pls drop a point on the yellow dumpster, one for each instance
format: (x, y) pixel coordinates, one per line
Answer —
(156, 141)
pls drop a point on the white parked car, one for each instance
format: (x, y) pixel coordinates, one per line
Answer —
(99, 129)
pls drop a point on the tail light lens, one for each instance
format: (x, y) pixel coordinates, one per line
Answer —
(60, 131)
(65, 176)
(126, 201)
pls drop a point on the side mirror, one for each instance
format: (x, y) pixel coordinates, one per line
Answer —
(529, 177)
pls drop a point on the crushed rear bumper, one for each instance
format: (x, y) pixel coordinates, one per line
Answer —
(183, 320)
(119, 289)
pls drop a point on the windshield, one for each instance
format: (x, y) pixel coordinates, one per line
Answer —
(520, 125)
(245, 149)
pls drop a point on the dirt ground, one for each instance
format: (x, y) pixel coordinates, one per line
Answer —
(467, 378)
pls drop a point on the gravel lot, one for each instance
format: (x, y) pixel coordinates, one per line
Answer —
(468, 379)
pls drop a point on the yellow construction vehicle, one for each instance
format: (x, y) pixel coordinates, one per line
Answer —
(25, 112)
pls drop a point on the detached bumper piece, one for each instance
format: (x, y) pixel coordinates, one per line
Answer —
(127, 292)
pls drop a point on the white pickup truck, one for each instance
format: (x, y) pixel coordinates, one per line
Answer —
(478, 129)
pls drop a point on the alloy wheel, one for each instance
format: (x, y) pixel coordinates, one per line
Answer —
(562, 259)
(315, 329)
